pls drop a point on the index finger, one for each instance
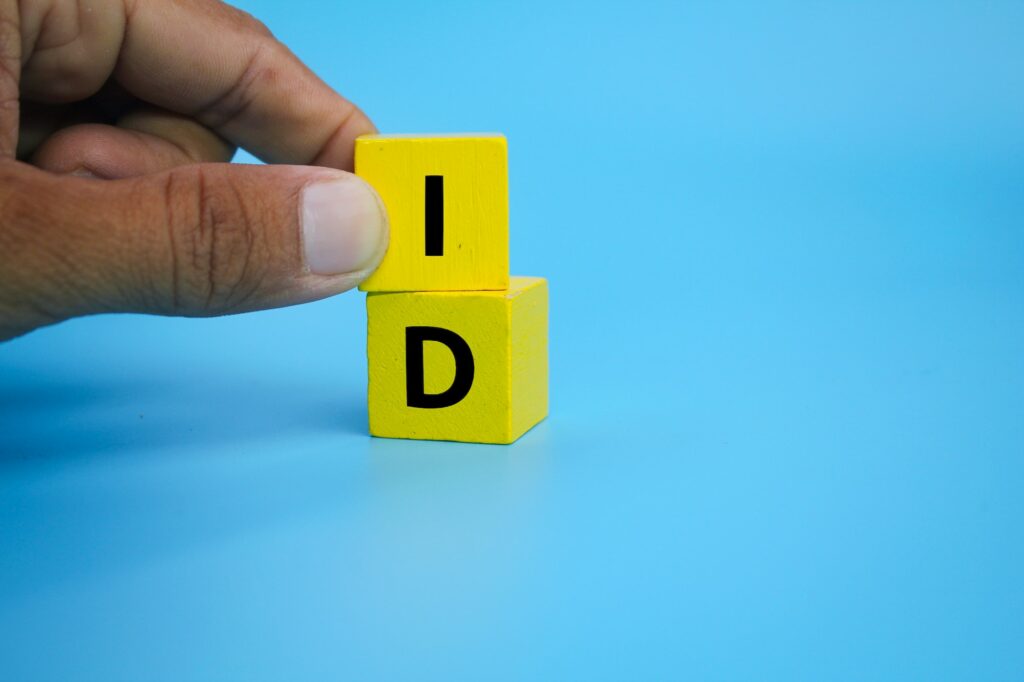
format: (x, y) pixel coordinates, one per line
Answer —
(225, 69)
(218, 65)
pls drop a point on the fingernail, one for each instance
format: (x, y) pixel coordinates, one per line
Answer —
(343, 225)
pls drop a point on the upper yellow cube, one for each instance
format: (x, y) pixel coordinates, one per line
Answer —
(447, 200)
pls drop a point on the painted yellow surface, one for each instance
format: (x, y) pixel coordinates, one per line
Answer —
(474, 169)
(507, 332)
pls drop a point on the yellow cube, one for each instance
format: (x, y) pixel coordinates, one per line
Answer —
(447, 199)
(469, 366)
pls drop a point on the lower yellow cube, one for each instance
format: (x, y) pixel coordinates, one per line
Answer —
(467, 366)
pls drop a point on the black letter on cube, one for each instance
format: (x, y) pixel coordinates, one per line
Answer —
(414, 374)
(434, 214)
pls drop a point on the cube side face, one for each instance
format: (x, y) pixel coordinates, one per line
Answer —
(529, 352)
(399, 332)
(449, 233)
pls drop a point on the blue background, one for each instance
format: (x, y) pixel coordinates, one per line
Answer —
(785, 243)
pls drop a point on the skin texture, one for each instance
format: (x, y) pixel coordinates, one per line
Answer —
(116, 120)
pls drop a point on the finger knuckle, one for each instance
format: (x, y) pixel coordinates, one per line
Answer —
(71, 56)
(217, 245)
(256, 75)
(251, 24)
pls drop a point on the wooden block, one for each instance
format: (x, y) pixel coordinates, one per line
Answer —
(447, 198)
(463, 365)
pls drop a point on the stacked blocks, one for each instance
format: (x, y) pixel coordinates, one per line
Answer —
(457, 349)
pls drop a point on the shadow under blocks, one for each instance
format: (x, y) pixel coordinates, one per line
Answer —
(457, 349)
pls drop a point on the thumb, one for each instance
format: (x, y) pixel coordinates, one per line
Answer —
(197, 240)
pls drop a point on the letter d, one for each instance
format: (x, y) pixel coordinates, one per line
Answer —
(414, 373)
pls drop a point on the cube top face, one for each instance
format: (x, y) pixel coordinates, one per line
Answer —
(447, 201)
(464, 366)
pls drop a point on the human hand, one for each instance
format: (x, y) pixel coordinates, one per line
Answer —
(113, 192)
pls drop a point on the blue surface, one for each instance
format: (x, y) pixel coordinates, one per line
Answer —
(786, 249)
